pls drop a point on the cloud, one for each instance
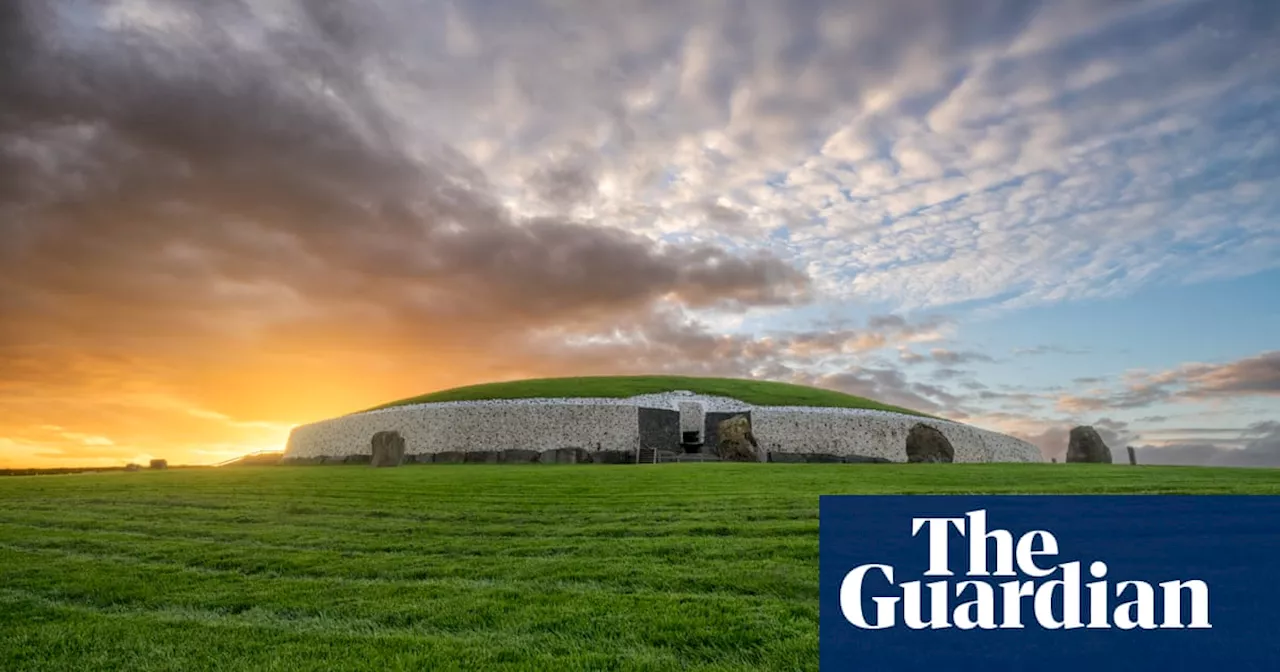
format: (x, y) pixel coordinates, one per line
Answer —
(1258, 375)
(1253, 375)
(701, 123)
(315, 194)
(951, 357)
(231, 200)
(889, 386)
(909, 356)
(1049, 350)
(674, 341)
(1260, 447)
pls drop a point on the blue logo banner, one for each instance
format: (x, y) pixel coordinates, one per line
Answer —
(1049, 583)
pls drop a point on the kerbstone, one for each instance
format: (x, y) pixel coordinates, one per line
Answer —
(564, 456)
(387, 449)
(928, 444)
(866, 459)
(519, 456)
(736, 442)
(613, 456)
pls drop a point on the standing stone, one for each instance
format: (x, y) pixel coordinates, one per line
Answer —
(928, 444)
(736, 442)
(1086, 445)
(1133, 455)
(388, 449)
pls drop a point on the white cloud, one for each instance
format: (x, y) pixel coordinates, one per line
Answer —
(933, 153)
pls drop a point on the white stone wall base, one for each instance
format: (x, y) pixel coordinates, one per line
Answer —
(613, 425)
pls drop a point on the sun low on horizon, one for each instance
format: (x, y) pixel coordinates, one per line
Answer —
(252, 418)
(219, 221)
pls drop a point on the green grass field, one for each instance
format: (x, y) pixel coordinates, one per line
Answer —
(758, 392)
(457, 567)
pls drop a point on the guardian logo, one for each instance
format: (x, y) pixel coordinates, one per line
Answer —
(1030, 587)
(1049, 583)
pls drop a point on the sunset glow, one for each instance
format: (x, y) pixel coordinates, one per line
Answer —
(221, 220)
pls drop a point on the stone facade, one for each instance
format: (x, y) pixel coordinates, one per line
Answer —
(659, 428)
(619, 426)
(847, 432)
(456, 427)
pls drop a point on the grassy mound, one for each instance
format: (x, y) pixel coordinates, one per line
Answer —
(756, 392)
(458, 567)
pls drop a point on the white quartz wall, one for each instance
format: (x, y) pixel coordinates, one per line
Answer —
(613, 424)
(875, 434)
(436, 428)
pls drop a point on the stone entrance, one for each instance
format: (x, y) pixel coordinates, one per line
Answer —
(692, 426)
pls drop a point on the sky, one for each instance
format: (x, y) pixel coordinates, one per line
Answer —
(219, 220)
